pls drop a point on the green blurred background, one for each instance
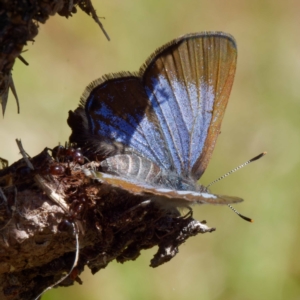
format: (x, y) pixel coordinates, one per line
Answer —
(240, 260)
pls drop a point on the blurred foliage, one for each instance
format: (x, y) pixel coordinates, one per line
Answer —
(240, 260)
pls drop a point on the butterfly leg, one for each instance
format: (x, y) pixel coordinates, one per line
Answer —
(189, 214)
(142, 204)
(145, 203)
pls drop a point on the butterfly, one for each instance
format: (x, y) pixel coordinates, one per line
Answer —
(156, 129)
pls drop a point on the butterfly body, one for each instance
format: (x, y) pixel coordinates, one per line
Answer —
(138, 168)
(156, 129)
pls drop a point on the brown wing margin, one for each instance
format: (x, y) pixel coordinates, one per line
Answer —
(223, 60)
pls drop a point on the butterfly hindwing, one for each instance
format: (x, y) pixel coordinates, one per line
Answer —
(166, 197)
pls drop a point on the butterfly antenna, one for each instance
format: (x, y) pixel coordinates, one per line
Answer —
(240, 215)
(237, 168)
(232, 171)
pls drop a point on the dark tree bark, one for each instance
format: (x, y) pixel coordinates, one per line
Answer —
(38, 208)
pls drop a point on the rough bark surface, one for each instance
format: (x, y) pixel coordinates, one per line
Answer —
(37, 241)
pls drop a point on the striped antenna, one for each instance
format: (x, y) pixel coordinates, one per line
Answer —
(237, 168)
(232, 171)
(240, 215)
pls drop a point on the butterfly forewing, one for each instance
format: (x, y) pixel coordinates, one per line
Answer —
(222, 82)
(188, 83)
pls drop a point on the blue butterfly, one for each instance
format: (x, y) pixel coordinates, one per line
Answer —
(155, 130)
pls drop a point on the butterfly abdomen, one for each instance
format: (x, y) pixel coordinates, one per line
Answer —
(131, 166)
(143, 170)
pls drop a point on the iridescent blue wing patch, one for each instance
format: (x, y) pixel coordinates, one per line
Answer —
(120, 111)
(188, 83)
